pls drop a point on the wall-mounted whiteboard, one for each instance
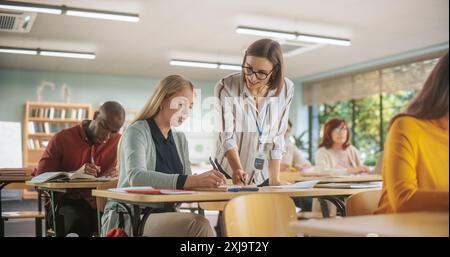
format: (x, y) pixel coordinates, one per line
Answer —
(10, 145)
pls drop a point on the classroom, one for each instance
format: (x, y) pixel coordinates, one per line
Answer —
(172, 118)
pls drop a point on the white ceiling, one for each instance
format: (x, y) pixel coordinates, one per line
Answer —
(204, 29)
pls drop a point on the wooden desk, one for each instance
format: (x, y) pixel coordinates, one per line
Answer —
(137, 200)
(297, 177)
(65, 185)
(7, 178)
(62, 187)
(399, 225)
(205, 196)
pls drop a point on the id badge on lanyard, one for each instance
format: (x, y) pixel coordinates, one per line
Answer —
(259, 160)
(260, 157)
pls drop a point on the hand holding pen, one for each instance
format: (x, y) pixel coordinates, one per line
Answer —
(239, 177)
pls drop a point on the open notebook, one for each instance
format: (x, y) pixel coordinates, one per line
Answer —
(377, 184)
(66, 177)
(228, 188)
(151, 191)
(299, 185)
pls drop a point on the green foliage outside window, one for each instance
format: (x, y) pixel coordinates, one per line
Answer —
(367, 124)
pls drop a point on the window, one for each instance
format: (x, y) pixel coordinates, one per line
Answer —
(367, 114)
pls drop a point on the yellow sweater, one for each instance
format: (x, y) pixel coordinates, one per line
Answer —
(416, 166)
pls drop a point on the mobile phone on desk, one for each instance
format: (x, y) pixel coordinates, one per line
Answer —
(239, 189)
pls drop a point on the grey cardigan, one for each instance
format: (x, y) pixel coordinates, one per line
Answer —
(137, 161)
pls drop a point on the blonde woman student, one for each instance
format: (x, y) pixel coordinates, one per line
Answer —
(152, 153)
(253, 115)
(416, 153)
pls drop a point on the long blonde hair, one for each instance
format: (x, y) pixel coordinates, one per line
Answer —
(166, 88)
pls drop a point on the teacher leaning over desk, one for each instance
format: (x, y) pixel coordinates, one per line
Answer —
(253, 116)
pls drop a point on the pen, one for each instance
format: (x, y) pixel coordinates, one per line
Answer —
(212, 163)
(92, 155)
(221, 170)
(243, 181)
(251, 177)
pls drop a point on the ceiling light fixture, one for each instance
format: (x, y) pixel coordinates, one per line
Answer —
(265, 33)
(27, 7)
(18, 51)
(70, 11)
(208, 65)
(102, 15)
(293, 36)
(52, 53)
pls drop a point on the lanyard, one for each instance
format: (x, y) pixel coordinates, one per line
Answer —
(259, 126)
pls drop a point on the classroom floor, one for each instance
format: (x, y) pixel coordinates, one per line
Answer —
(26, 228)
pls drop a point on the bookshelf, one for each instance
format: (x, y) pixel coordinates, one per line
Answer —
(42, 120)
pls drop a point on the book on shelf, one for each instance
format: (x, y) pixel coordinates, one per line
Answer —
(46, 127)
(31, 126)
(37, 145)
(51, 113)
(62, 115)
(44, 143)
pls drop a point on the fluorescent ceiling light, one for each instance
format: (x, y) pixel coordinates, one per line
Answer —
(265, 33)
(324, 40)
(28, 7)
(208, 65)
(42, 52)
(67, 54)
(103, 15)
(293, 36)
(65, 10)
(230, 67)
(18, 51)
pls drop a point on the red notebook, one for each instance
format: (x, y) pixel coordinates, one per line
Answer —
(159, 191)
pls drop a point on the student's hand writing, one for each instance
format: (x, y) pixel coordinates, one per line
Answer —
(112, 173)
(239, 177)
(90, 169)
(209, 179)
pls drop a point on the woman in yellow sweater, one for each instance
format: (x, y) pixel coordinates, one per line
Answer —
(416, 158)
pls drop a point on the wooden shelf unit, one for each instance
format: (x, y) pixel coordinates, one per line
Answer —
(42, 120)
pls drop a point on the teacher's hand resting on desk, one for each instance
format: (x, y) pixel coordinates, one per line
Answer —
(209, 179)
(239, 176)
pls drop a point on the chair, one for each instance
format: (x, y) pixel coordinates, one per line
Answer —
(259, 215)
(363, 203)
(38, 216)
(101, 202)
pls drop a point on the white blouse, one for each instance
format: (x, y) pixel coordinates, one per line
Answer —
(238, 128)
